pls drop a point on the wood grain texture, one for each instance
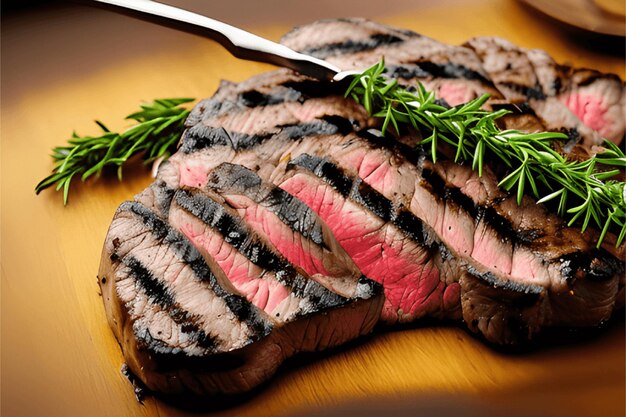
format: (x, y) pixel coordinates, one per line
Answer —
(59, 357)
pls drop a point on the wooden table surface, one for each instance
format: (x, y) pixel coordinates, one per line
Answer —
(63, 67)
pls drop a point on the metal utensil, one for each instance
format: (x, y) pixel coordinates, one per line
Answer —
(238, 42)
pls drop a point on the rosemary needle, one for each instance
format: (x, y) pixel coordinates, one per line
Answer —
(158, 128)
(585, 190)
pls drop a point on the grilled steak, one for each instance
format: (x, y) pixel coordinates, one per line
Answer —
(286, 222)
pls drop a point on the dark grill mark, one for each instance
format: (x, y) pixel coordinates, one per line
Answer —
(329, 172)
(407, 71)
(452, 195)
(497, 282)
(413, 155)
(157, 293)
(289, 91)
(202, 137)
(409, 224)
(487, 214)
(190, 255)
(343, 125)
(425, 69)
(152, 287)
(314, 89)
(351, 46)
(594, 264)
(373, 200)
(593, 76)
(557, 85)
(535, 92)
(254, 98)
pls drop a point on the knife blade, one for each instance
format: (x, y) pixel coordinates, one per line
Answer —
(238, 42)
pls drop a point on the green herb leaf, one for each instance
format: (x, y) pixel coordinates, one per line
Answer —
(159, 126)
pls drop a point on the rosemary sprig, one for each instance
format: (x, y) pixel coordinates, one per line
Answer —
(156, 134)
(585, 191)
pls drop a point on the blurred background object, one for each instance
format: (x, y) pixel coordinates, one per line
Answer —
(599, 16)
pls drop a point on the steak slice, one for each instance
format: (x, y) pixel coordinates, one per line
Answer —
(453, 73)
(394, 170)
(291, 227)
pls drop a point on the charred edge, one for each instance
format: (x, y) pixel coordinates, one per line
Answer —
(425, 69)
(227, 177)
(139, 388)
(596, 265)
(236, 233)
(592, 76)
(160, 295)
(230, 178)
(200, 137)
(190, 255)
(171, 358)
(496, 282)
(557, 85)
(363, 194)
(369, 287)
(351, 46)
(163, 195)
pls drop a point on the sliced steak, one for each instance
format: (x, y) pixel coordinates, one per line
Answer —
(267, 280)
(395, 174)
(565, 99)
(182, 325)
(291, 227)
(598, 99)
(380, 238)
(284, 197)
(166, 306)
